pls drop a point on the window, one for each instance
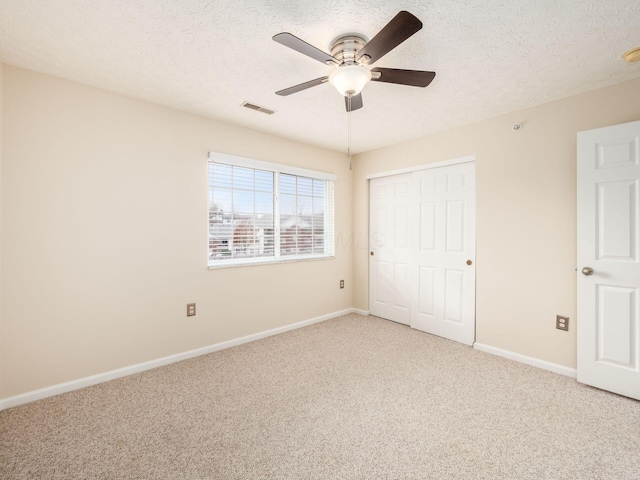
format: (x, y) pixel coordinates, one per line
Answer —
(263, 212)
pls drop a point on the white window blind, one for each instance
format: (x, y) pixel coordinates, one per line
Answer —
(262, 212)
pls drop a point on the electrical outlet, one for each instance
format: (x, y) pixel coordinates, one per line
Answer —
(562, 323)
(341, 283)
(191, 309)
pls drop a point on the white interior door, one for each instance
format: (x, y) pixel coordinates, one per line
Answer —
(608, 258)
(422, 250)
(389, 258)
(443, 273)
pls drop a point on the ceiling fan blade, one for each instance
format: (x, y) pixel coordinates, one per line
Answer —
(303, 47)
(401, 27)
(356, 102)
(414, 78)
(302, 86)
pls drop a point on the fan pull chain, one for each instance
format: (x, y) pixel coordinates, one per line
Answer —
(349, 130)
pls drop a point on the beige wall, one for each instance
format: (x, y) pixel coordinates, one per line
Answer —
(104, 237)
(103, 228)
(526, 214)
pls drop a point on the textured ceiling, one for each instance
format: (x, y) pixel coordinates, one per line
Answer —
(208, 56)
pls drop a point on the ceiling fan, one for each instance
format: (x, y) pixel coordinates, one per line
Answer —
(352, 54)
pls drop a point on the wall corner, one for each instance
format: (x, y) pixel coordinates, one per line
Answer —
(1, 251)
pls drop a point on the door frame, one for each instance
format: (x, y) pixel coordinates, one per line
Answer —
(416, 168)
(424, 166)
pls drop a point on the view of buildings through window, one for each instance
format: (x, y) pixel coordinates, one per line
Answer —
(257, 213)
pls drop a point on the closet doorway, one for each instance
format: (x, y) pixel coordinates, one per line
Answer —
(422, 248)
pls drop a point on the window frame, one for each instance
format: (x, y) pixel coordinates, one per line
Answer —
(277, 169)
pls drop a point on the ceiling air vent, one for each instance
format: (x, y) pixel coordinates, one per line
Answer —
(258, 108)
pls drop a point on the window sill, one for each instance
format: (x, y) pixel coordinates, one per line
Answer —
(270, 261)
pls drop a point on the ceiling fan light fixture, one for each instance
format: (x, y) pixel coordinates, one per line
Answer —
(350, 79)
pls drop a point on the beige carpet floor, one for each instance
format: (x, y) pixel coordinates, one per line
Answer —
(351, 398)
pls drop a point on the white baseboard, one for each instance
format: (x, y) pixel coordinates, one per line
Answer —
(364, 313)
(534, 362)
(141, 367)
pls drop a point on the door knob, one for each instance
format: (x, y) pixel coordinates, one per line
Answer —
(469, 262)
(371, 253)
(587, 271)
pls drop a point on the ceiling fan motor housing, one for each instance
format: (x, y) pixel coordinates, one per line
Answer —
(345, 48)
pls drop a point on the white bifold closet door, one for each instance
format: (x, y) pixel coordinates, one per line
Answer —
(422, 250)
(390, 254)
